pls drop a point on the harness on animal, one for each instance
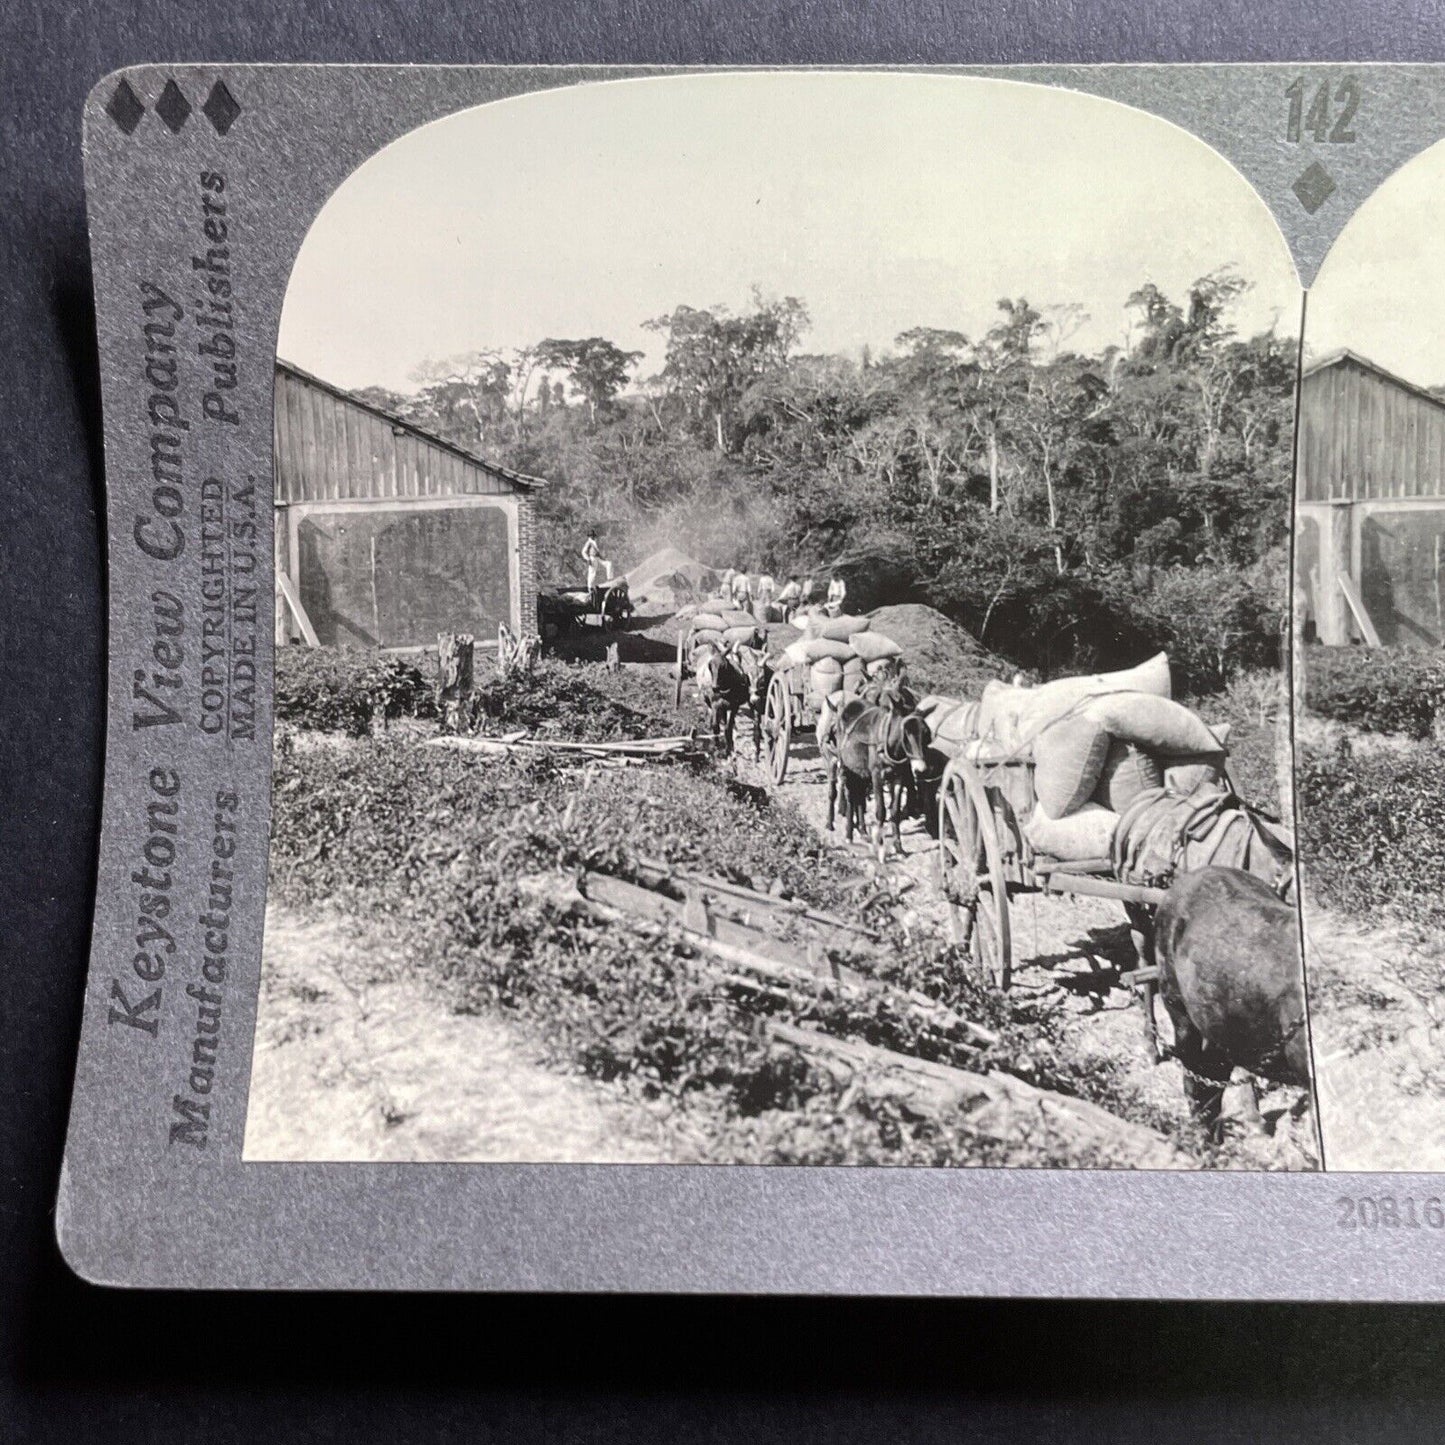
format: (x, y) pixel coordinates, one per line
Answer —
(1172, 824)
(892, 700)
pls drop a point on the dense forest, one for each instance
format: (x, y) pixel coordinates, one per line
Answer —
(1071, 510)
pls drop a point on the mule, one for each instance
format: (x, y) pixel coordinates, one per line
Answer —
(855, 768)
(728, 681)
(910, 770)
(1227, 947)
(1162, 836)
(876, 749)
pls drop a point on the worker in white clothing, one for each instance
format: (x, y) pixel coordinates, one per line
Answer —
(742, 591)
(592, 556)
(790, 598)
(837, 595)
(763, 598)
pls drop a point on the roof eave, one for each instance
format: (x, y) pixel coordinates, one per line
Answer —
(506, 474)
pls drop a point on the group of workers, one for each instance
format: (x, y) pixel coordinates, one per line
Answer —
(758, 594)
(761, 595)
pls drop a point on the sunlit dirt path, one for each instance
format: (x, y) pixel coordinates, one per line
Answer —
(354, 1060)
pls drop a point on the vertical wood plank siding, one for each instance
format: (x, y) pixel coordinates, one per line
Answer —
(331, 448)
(1367, 436)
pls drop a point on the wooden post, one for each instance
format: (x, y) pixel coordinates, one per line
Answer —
(455, 655)
(1336, 557)
(293, 601)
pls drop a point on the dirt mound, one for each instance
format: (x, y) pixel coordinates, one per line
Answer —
(941, 655)
(670, 576)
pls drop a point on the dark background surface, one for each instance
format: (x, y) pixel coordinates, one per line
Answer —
(78, 1363)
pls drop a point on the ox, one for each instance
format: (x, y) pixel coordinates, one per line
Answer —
(1227, 948)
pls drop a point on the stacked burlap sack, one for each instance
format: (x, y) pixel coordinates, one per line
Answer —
(1098, 748)
(717, 629)
(1096, 742)
(839, 653)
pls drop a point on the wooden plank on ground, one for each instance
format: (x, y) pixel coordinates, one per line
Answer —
(769, 955)
(647, 902)
(655, 871)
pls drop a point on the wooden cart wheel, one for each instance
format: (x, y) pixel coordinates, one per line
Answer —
(971, 874)
(677, 675)
(778, 728)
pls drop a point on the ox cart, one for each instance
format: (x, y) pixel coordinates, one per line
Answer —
(802, 683)
(986, 861)
(568, 606)
(790, 709)
(734, 629)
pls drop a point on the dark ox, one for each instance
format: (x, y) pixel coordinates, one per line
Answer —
(1227, 948)
(729, 681)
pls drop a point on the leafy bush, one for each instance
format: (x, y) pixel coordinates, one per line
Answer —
(454, 845)
(1370, 830)
(1394, 690)
(371, 824)
(327, 689)
(574, 702)
(1251, 706)
(1214, 620)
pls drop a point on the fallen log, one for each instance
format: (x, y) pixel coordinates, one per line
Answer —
(996, 1104)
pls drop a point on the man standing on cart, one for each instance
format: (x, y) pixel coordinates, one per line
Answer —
(592, 556)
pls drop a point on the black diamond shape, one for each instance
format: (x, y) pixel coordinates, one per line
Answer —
(124, 108)
(221, 108)
(173, 107)
(1314, 187)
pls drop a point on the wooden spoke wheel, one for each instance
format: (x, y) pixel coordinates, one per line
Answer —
(777, 729)
(677, 675)
(971, 873)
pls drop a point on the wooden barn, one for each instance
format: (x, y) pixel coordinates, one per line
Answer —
(387, 535)
(1370, 506)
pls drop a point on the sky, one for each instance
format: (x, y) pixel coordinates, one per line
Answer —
(1381, 289)
(883, 201)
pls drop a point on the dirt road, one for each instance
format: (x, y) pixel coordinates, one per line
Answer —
(355, 1061)
(1070, 954)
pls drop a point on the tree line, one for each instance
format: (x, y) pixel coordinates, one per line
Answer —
(1070, 508)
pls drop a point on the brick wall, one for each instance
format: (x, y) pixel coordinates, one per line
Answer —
(527, 563)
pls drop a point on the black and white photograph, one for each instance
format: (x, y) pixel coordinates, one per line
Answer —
(1369, 579)
(783, 595)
